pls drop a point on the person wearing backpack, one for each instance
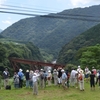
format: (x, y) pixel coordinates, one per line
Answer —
(81, 80)
(21, 76)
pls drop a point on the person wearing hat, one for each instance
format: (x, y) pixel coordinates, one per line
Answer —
(21, 76)
(30, 78)
(6, 77)
(35, 83)
(55, 75)
(27, 78)
(16, 80)
(41, 78)
(59, 76)
(49, 78)
(64, 78)
(81, 80)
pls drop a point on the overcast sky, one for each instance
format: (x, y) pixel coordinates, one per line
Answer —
(41, 6)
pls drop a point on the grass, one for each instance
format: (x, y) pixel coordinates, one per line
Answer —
(51, 93)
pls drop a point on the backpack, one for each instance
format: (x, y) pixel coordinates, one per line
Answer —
(80, 77)
(42, 76)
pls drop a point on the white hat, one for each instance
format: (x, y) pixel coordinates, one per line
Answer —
(27, 70)
(49, 71)
(20, 70)
(41, 69)
(54, 69)
(78, 66)
(62, 70)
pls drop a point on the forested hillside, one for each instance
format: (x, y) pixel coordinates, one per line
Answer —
(70, 53)
(51, 33)
(19, 50)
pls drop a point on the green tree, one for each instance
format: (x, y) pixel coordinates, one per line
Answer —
(90, 56)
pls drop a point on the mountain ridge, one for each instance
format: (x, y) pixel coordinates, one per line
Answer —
(52, 34)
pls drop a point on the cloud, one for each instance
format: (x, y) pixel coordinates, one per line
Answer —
(79, 2)
(7, 22)
(83, 3)
(2, 1)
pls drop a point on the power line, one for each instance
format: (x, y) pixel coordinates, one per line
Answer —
(28, 8)
(51, 16)
(24, 10)
(58, 15)
(19, 13)
(43, 11)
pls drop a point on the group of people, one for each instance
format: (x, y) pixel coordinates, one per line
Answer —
(58, 76)
(77, 77)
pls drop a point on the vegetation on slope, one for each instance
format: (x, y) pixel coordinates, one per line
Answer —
(19, 50)
(69, 53)
(51, 34)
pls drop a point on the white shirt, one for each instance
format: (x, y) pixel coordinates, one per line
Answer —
(73, 73)
(35, 78)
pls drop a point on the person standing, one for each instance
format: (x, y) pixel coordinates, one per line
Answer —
(30, 78)
(16, 80)
(81, 80)
(64, 78)
(98, 78)
(87, 73)
(21, 76)
(55, 75)
(35, 82)
(6, 77)
(73, 77)
(41, 78)
(49, 78)
(45, 78)
(94, 72)
(92, 80)
(59, 76)
(27, 78)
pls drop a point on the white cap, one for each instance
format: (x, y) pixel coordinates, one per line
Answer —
(78, 66)
(20, 70)
(49, 71)
(62, 70)
(27, 70)
(54, 69)
(41, 69)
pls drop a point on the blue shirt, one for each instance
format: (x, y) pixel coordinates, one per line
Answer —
(64, 76)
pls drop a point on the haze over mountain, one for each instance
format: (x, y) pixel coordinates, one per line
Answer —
(0, 30)
(51, 34)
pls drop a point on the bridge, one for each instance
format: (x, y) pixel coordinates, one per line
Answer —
(33, 64)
